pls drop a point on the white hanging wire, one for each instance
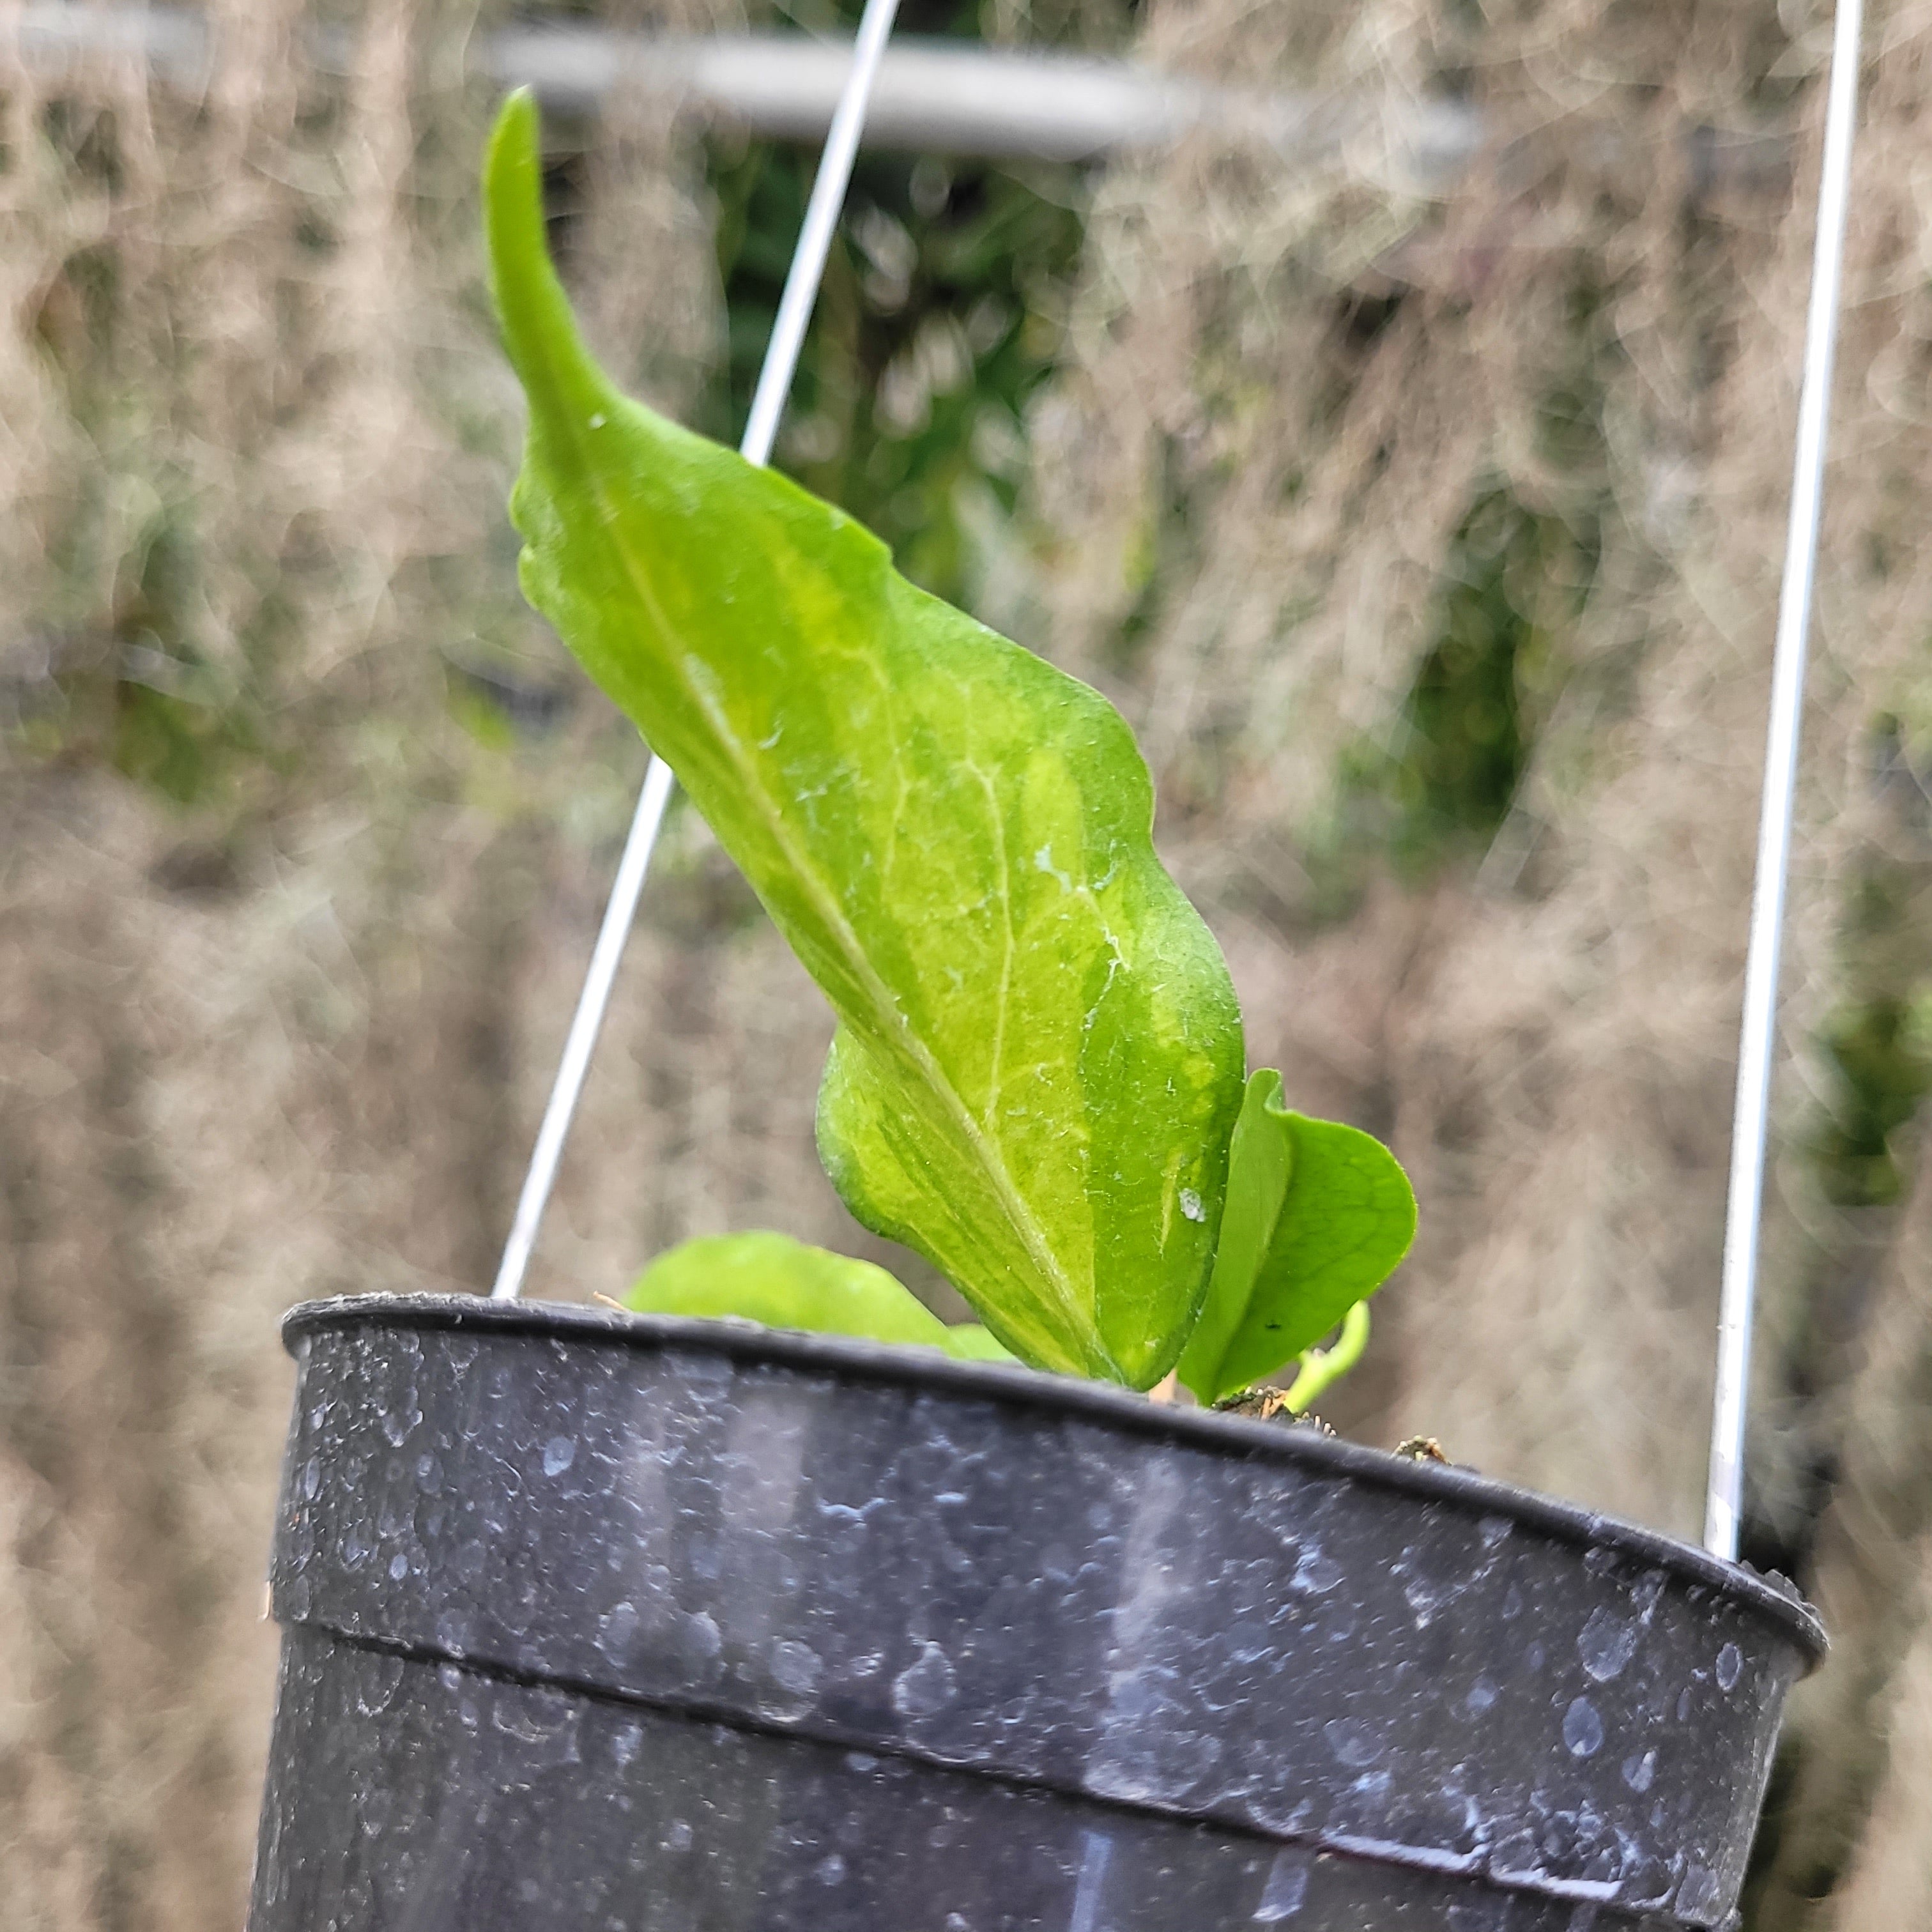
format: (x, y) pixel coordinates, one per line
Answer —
(1751, 1125)
(775, 380)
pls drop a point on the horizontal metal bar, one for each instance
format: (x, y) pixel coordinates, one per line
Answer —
(55, 42)
(934, 96)
(940, 98)
(949, 97)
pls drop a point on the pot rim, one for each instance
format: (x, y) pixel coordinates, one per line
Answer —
(905, 1366)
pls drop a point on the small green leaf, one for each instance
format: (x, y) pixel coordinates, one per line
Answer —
(788, 1284)
(1038, 1057)
(970, 1343)
(1317, 1216)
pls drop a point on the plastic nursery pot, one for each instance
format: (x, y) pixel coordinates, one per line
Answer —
(639, 1625)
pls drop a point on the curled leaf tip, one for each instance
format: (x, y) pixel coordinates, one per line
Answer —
(512, 173)
(539, 332)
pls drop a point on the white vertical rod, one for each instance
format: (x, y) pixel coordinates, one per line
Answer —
(1751, 1126)
(619, 911)
(775, 380)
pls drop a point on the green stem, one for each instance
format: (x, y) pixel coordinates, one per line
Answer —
(1322, 1368)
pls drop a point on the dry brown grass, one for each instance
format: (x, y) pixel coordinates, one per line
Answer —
(293, 1039)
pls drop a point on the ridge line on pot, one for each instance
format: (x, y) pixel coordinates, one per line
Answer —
(1480, 1864)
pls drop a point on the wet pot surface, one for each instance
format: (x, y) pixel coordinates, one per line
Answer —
(648, 1625)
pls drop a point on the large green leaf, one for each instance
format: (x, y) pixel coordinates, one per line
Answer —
(1038, 1062)
(1317, 1216)
(788, 1284)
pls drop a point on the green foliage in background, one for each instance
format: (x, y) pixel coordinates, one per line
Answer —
(137, 690)
(939, 318)
(1880, 1054)
(1514, 583)
(1877, 1041)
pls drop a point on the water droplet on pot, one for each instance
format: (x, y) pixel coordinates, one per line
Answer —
(399, 1567)
(395, 1427)
(429, 1474)
(1512, 1602)
(559, 1452)
(1493, 1530)
(830, 1870)
(382, 1678)
(1607, 1644)
(1353, 1743)
(1482, 1695)
(1535, 1657)
(677, 1838)
(1517, 1859)
(1683, 1704)
(625, 1746)
(1638, 1771)
(298, 1599)
(925, 1687)
(795, 1666)
(1286, 1890)
(956, 1921)
(393, 1518)
(1426, 1595)
(452, 1631)
(1315, 1575)
(616, 1630)
(1699, 1895)
(1730, 1665)
(311, 1477)
(1582, 1728)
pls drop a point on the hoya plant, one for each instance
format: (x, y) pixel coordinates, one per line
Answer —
(1037, 1080)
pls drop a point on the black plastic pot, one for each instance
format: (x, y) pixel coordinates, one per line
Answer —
(637, 1625)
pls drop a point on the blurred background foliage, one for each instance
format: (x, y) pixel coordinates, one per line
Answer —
(940, 315)
(1428, 540)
